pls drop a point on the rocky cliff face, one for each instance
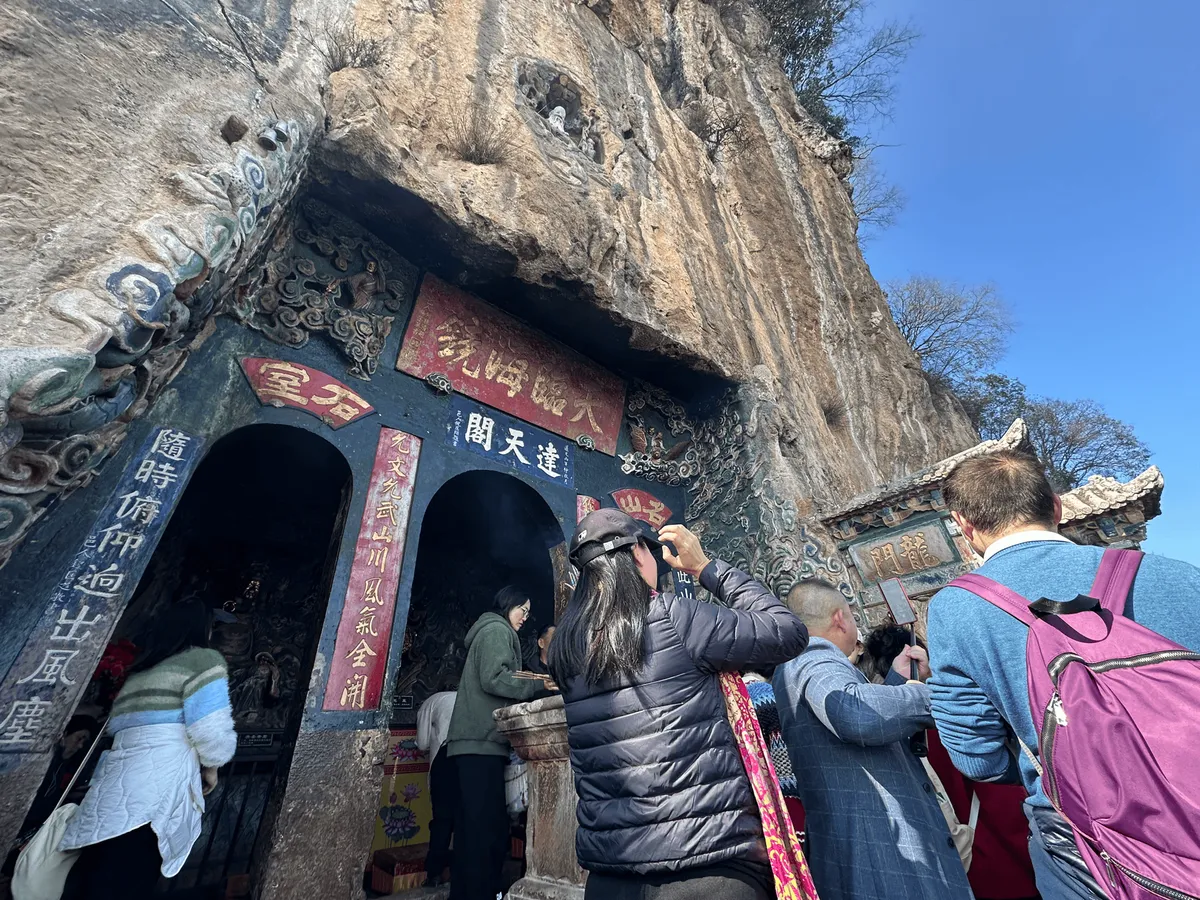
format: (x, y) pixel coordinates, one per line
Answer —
(730, 258)
(133, 204)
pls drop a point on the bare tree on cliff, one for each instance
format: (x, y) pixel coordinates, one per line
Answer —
(843, 71)
(957, 331)
(842, 68)
(876, 200)
(1074, 439)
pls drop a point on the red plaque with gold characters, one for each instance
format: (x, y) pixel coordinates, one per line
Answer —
(360, 652)
(643, 506)
(492, 357)
(277, 382)
(584, 505)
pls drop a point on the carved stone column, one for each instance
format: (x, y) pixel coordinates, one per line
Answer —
(538, 731)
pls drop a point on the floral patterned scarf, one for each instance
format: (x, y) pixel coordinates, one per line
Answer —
(792, 879)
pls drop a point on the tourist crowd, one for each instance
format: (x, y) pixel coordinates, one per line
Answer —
(1043, 746)
(1040, 742)
(753, 748)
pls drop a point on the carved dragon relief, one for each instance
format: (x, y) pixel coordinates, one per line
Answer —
(326, 275)
(741, 499)
(741, 504)
(64, 410)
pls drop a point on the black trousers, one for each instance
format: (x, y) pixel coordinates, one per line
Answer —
(122, 868)
(732, 880)
(481, 828)
(443, 797)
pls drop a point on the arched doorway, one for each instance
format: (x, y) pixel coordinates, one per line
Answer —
(254, 537)
(481, 531)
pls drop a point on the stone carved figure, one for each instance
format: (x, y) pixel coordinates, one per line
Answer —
(558, 121)
(589, 138)
(257, 691)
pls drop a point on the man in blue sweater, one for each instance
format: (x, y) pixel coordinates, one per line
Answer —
(1009, 513)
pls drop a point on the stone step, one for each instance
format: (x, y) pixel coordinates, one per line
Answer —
(422, 893)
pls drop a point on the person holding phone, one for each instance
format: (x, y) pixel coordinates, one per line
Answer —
(665, 806)
(875, 829)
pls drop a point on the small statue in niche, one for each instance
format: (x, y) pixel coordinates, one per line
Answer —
(365, 285)
(558, 121)
(259, 689)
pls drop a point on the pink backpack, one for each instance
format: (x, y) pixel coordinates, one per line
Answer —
(1119, 734)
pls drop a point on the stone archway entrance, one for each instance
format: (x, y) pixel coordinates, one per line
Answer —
(254, 537)
(481, 531)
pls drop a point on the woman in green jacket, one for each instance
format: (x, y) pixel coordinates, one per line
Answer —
(480, 751)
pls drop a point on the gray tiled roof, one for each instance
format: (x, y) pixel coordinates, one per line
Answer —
(1102, 495)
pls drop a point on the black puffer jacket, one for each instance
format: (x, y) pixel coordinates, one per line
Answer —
(660, 780)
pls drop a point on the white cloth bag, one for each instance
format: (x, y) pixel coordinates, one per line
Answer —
(516, 785)
(42, 869)
(963, 835)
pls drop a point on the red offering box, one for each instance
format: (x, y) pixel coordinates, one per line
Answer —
(398, 869)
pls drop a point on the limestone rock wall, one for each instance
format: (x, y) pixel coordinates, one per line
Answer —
(129, 214)
(130, 205)
(728, 260)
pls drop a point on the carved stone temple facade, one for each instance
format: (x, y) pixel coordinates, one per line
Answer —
(276, 337)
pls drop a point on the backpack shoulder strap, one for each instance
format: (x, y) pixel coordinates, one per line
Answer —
(1114, 578)
(996, 594)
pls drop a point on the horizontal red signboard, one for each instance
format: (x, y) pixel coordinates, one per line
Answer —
(277, 382)
(642, 506)
(364, 634)
(492, 357)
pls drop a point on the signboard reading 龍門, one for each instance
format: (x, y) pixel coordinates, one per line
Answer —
(495, 359)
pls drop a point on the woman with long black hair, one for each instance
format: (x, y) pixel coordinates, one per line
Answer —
(666, 809)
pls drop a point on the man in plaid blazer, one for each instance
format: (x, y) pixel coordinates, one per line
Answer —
(875, 830)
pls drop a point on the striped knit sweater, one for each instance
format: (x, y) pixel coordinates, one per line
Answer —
(191, 689)
(762, 695)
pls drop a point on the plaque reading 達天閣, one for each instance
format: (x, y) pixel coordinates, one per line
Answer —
(364, 634)
(499, 361)
(57, 661)
(277, 382)
(511, 442)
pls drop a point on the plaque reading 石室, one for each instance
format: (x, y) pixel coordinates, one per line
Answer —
(277, 382)
(495, 359)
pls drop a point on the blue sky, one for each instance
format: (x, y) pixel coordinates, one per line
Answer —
(1054, 149)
